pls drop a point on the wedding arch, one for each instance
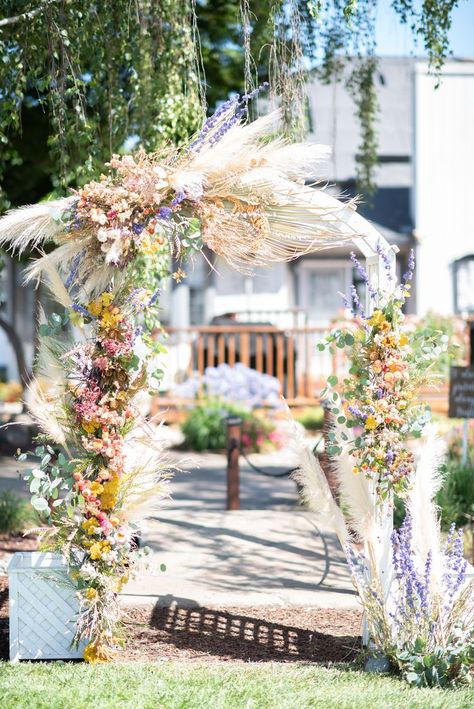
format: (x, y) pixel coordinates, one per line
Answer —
(234, 189)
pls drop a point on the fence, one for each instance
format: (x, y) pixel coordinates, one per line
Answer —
(288, 353)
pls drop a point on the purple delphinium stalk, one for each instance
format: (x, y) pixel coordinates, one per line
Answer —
(74, 268)
(456, 565)
(153, 298)
(408, 275)
(80, 309)
(356, 301)
(385, 259)
(165, 213)
(345, 301)
(364, 275)
(180, 197)
(223, 119)
(355, 411)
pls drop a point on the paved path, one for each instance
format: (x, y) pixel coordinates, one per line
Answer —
(270, 553)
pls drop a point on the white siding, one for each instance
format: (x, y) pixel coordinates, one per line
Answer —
(443, 191)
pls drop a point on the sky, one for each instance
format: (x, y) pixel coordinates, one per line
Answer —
(393, 38)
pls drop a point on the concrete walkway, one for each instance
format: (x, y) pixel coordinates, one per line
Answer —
(269, 553)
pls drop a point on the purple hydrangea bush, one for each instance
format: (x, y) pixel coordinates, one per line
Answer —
(426, 625)
(238, 384)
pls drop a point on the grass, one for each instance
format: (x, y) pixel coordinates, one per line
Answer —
(219, 686)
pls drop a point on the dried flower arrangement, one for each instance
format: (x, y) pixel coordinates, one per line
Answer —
(419, 607)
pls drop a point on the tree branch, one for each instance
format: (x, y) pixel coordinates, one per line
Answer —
(25, 15)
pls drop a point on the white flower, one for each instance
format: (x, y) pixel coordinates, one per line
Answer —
(103, 235)
(110, 557)
(113, 252)
(160, 171)
(123, 535)
(88, 572)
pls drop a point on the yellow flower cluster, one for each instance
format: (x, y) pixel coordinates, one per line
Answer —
(379, 321)
(91, 593)
(91, 526)
(97, 306)
(95, 652)
(98, 549)
(102, 308)
(108, 496)
(97, 488)
(90, 426)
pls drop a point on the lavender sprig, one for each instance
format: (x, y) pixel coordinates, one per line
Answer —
(364, 275)
(74, 268)
(224, 118)
(385, 259)
(408, 275)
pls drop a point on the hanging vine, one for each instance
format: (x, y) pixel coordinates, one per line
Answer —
(109, 76)
(112, 76)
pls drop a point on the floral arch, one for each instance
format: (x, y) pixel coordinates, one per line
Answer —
(234, 189)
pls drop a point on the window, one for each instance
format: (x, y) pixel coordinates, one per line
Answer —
(320, 285)
(463, 273)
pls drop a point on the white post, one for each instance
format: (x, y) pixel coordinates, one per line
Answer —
(369, 241)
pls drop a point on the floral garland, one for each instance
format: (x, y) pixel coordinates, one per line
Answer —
(389, 364)
(93, 421)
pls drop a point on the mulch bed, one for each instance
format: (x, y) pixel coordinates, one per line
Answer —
(217, 634)
(242, 634)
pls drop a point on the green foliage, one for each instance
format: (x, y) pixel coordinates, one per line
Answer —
(361, 85)
(456, 497)
(15, 513)
(104, 73)
(87, 79)
(441, 667)
(448, 332)
(311, 418)
(48, 478)
(205, 429)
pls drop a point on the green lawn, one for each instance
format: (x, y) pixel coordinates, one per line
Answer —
(219, 686)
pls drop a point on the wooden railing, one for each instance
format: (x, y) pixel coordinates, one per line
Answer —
(291, 355)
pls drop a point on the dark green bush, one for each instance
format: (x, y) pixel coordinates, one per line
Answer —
(15, 513)
(456, 497)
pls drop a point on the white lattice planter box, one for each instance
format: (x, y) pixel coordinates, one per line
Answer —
(43, 608)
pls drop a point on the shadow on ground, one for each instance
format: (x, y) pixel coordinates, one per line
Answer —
(181, 631)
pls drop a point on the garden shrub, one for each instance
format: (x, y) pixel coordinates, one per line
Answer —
(456, 497)
(205, 429)
(312, 418)
(15, 513)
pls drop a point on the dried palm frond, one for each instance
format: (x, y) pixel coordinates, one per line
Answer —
(147, 473)
(427, 481)
(46, 410)
(246, 186)
(356, 496)
(28, 227)
(316, 492)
